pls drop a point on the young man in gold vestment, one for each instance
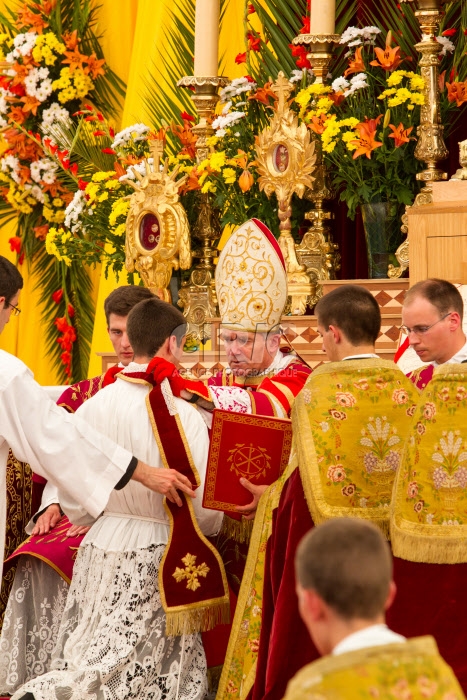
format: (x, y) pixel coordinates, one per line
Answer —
(349, 424)
(344, 586)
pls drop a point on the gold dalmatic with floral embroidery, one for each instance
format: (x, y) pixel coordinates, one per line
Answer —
(349, 426)
(350, 422)
(429, 519)
(412, 669)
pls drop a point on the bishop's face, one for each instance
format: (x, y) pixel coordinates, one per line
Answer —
(249, 353)
(431, 334)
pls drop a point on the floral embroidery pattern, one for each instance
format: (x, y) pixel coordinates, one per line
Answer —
(433, 488)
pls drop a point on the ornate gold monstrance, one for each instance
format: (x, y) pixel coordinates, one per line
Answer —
(285, 157)
(157, 230)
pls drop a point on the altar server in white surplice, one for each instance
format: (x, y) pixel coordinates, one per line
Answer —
(112, 642)
(57, 445)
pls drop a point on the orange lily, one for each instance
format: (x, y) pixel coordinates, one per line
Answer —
(71, 40)
(357, 65)
(263, 94)
(75, 59)
(17, 115)
(30, 104)
(26, 18)
(366, 144)
(400, 135)
(40, 232)
(337, 97)
(21, 72)
(158, 135)
(245, 181)
(388, 59)
(192, 183)
(318, 123)
(95, 66)
(187, 138)
(457, 92)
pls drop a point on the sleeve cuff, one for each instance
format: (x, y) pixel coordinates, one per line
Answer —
(128, 474)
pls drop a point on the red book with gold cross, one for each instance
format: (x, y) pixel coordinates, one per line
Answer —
(242, 445)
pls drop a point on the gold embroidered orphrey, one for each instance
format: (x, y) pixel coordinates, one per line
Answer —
(191, 572)
(157, 229)
(285, 157)
(249, 461)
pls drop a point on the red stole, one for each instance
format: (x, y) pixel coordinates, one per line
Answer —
(192, 581)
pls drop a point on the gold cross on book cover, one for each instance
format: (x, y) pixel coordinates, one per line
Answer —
(254, 447)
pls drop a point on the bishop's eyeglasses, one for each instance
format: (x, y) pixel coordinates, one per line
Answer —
(16, 310)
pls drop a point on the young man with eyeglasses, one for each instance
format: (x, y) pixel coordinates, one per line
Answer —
(432, 316)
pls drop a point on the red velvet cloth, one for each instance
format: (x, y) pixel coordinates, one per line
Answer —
(285, 645)
(432, 599)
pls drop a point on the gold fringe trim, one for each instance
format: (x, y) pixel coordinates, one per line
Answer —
(238, 530)
(430, 548)
(196, 620)
(382, 523)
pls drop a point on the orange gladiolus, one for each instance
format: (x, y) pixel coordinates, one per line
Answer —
(388, 59)
(245, 181)
(366, 144)
(457, 92)
(400, 135)
(357, 64)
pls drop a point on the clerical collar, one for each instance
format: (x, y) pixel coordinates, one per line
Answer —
(363, 356)
(459, 357)
(134, 367)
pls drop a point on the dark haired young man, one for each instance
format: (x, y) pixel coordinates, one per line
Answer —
(115, 639)
(344, 587)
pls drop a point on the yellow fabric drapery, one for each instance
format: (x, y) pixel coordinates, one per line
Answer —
(134, 31)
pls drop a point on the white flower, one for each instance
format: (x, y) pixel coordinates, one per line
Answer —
(10, 166)
(226, 108)
(235, 88)
(43, 170)
(353, 36)
(357, 82)
(36, 192)
(340, 84)
(74, 211)
(446, 44)
(24, 44)
(139, 167)
(136, 132)
(223, 121)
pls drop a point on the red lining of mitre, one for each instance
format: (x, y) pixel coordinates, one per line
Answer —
(271, 239)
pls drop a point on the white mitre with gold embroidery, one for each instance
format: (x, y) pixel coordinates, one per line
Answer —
(251, 281)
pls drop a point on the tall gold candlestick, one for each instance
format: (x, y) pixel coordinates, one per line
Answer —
(322, 16)
(198, 295)
(317, 250)
(430, 146)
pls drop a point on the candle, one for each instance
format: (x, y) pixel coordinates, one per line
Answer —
(207, 38)
(323, 16)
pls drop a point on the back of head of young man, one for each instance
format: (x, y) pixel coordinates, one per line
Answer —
(156, 329)
(432, 316)
(11, 283)
(117, 306)
(344, 580)
(349, 322)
